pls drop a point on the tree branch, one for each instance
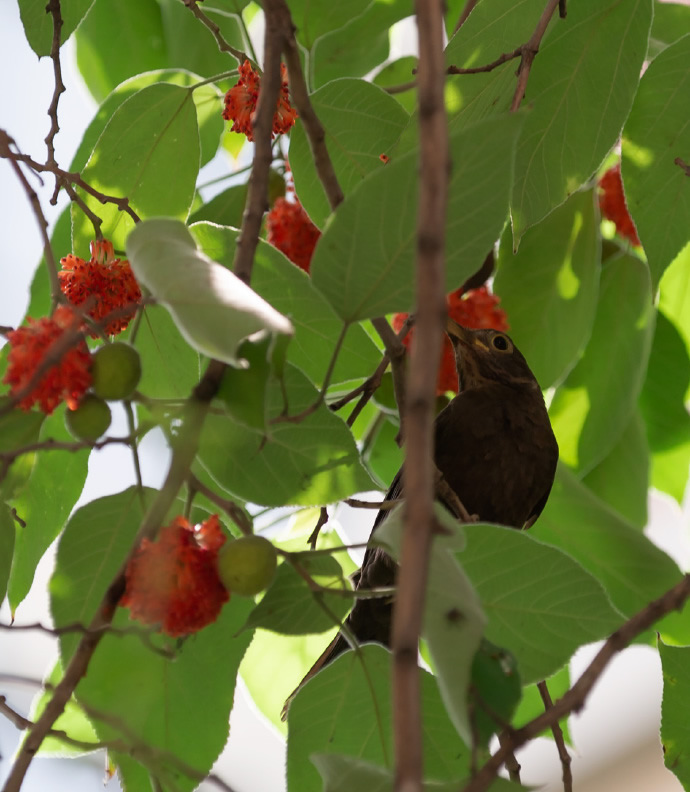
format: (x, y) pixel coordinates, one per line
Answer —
(420, 394)
(223, 45)
(529, 51)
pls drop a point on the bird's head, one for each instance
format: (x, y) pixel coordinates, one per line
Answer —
(487, 356)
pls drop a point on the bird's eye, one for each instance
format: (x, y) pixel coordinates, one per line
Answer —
(500, 342)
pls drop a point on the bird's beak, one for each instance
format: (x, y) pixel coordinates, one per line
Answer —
(456, 332)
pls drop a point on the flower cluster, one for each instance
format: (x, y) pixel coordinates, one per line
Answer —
(173, 581)
(290, 230)
(66, 379)
(104, 281)
(612, 204)
(241, 99)
(477, 308)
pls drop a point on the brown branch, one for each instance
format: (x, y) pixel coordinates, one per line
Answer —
(557, 732)
(512, 765)
(682, 164)
(316, 135)
(314, 535)
(223, 45)
(53, 8)
(466, 11)
(398, 89)
(574, 699)
(184, 452)
(395, 350)
(96, 221)
(257, 193)
(504, 58)
(434, 168)
(529, 51)
(233, 511)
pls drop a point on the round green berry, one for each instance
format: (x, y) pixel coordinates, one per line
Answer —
(246, 566)
(90, 420)
(115, 371)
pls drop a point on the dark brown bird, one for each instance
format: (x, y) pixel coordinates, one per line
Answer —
(496, 450)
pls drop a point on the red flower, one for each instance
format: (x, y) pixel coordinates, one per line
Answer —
(612, 204)
(241, 99)
(174, 581)
(292, 232)
(109, 282)
(66, 380)
(478, 308)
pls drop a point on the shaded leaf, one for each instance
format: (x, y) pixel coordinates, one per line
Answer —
(592, 407)
(671, 22)
(399, 72)
(655, 134)
(549, 287)
(312, 21)
(226, 208)
(495, 691)
(213, 309)
(243, 390)
(675, 730)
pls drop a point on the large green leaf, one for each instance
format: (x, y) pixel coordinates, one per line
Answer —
(674, 296)
(6, 547)
(364, 262)
(621, 479)
(655, 134)
(549, 287)
(662, 402)
(361, 122)
(291, 292)
(38, 22)
(148, 153)
(675, 730)
(135, 43)
(206, 99)
(312, 462)
(671, 22)
(540, 603)
(592, 407)
(44, 504)
(316, 19)
(574, 122)
(178, 705)
(632, 569)
(346, 709)
(213, 309)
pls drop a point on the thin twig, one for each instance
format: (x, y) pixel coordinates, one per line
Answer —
(682, 164)
(574, 699)
(466, 11)
(314, 535)
(557, 732)
(184, 452)
(504, 58)
(53, 8)
(96, 221)
(316, 134)
(529, 51)
(434, 169)
(398, 89)
(236, 514)
(512, 764)
(396, 353)
(257, 192)
(223, 45)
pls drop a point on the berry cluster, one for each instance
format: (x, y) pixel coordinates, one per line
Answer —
(477, 308)
(613, 206)
(241, 99)
(290, 230)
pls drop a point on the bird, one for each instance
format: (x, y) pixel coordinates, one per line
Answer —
(495, 449)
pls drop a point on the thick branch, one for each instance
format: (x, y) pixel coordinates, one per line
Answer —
(420, 393)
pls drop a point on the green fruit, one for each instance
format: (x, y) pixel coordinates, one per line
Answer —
(90, 420)
(116, 371)
(246, 566)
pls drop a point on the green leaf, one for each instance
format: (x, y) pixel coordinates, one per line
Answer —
(575, 121)
(453, 616)
(540, 603)
(671, 22)
(44, 504)
(345, 773)
(19, 428)
(549, 287)
(6, 547)
(148, 153)
(662, 403)
(592, 407)
(178, 705)
(358, 46)
(656, 133)
(290, 607)
(213, 309)
(631, 569)
(385, 457)
(674, 295)
(38, 23)
(135, 43)
(309, 463)
(495, 691)
(243, 390)
(399, 72)
(621, 479)
(206, 100)
(380, 216)
(361, 122)
(226, 208)
(675, 731)
(314, 20)
(346, 709)
(291, 292)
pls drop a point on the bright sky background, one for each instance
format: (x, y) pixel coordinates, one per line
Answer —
(624, 709)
